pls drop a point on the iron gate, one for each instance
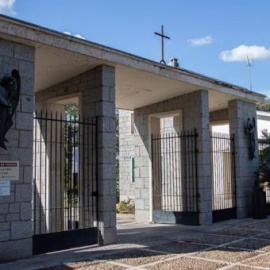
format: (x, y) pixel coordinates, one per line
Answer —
(223, 177)
(65, 182)
(174, 178)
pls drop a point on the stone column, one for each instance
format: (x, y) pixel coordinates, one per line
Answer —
(157, 160)
(142, 166)
(246, 168)
(196, 116)
(16, 209)
(98, 99)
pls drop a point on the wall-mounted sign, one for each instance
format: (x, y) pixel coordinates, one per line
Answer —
(4, 188)
(9, 170)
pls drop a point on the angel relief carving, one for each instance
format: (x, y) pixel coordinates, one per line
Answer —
(10, 87)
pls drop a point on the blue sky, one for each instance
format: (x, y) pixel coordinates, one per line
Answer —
(211, 37)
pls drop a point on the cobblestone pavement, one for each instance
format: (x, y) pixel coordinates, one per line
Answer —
(235, 244)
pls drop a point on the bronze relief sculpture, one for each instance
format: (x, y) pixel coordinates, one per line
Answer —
(251, 129)
(10, 87)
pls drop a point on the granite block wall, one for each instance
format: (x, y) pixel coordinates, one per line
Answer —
(15, 209)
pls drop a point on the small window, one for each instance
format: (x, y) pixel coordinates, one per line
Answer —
(132, 170)
(132, 123)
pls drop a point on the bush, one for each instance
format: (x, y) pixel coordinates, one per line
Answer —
(127, 207)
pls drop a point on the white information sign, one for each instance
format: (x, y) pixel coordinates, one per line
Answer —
(9, 170)
(4, 188)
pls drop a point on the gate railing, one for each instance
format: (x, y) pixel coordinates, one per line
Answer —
(263, 145)
(65, 173)
(174, 172)
(223, 171)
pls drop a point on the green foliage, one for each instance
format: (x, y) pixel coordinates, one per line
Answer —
(265, 107)
(264, 160)
(72, 109)
(127, 207)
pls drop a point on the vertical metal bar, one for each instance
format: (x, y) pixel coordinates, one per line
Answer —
(196, 170)
(50, 191)
(40, 176)
(92, 150)
(61, 191)
(153, 168)
(234, 170)
(55, 217)
(97, 176)
(78, 143)
(35, 175)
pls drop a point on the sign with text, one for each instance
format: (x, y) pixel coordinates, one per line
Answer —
(4, 188)
(9, 170)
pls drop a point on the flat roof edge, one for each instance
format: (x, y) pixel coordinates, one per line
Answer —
(182, 71)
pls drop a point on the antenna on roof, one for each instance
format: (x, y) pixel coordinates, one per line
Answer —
(249, 68)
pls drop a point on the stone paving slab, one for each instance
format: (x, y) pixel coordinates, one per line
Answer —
(227, 254)
(179, 248)
(263, 236)
(136, 257)
(210, 239)
(252, 244)
(261, 226)
(238, 232)
(87, 265)
(187, 263)
(259, 261)
(241, 267)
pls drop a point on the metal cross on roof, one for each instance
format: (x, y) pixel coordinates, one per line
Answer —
(162, 44)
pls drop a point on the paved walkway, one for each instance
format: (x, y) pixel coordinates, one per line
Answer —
(235, 244)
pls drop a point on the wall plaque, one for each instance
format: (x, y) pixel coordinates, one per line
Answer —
(9, 170)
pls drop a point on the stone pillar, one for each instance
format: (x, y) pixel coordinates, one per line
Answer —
(157, 173)
(16, 209)
(196, 115)
(98, 99)
(246, 168)
(126, 153)
(142, 167)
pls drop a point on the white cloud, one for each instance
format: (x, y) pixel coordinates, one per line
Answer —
(241, 52)
(6, 7)
(200, 41)
(77, 35)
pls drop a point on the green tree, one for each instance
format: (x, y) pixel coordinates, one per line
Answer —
(265, 106)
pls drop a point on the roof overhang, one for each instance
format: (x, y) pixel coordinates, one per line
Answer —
(139, 82)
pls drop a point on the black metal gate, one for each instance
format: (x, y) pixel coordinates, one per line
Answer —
(223, 177)
(65, 206)
(174, 178)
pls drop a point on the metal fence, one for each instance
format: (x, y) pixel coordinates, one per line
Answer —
(174, 169)
(223, 171)
(262, 145)
(65, 174)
